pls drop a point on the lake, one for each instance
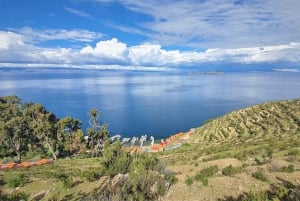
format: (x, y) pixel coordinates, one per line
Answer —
(152, 103)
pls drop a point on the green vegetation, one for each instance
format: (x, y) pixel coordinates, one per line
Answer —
(280, 192)
(230, 171)
(203, 175)
(13, 196)
(15, 180)
(245, 144)
(269, 119)
(289, 168)
(29, 130)
(260, 176)
(259, 143)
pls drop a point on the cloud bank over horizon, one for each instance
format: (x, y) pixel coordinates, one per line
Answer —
(20, 49)
(131, 34)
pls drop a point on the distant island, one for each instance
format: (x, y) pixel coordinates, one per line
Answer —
(207, 73)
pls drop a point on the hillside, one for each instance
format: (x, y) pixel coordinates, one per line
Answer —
(249, 154)
(273, 118)
(259, 140)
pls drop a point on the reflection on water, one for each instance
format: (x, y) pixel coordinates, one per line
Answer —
(156, 104)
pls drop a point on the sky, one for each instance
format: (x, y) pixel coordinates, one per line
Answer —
(149, 34)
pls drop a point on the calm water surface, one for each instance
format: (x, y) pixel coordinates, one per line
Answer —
(152, 103)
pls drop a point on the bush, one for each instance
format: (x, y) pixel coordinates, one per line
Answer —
(67, 182)
(189, 181)
(257, 196)
(15, 196)
(204, 181)
(205, 173)
(230, 170)
(15, 180)
(115, 160)
(89, 176)
(289, 168)
(294, 152)
(260, 176)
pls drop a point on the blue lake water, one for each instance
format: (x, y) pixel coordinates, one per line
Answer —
(152, 103)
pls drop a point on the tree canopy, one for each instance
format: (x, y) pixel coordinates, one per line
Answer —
(28, 127)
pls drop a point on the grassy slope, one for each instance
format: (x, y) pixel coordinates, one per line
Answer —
(273, 118)
(49, 180)
(261, 138)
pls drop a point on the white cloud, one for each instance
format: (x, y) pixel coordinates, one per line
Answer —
(10, 39)
(79, 13)
(37, 35)
(15, 48)
(112, 49)
(219, 24)
(290, 70)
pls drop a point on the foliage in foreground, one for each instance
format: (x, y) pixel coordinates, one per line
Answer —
(230, 170)
(132, 177)
(15, 180)
(286, 191)
(203, 175)
(13, 196)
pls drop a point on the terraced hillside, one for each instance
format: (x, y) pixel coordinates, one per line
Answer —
(273, 118)
(249, 154)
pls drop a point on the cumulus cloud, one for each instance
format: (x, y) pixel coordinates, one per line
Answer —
(110, 49)
(10, 39)
(15, 48)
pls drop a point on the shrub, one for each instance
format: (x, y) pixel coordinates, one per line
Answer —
(205, 173)
(15, 196)
(208, 172)
(230, 170)
(189, 181)
(204, 181)
(89, 176)
(67, 182)
(15, 180)
(260, 176)
(115, 160)
(289, 168)
(257, 196)
(294, 152)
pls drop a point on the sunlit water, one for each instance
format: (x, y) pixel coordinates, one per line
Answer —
(152, 103)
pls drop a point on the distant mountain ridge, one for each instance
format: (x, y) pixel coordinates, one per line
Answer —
(272, 118)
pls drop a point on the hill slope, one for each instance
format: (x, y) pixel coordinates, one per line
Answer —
(248, 150)
(273, 118)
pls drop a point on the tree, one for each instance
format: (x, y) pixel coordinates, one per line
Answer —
(43, 126)
(16, 135)
(14, 130)
(9, 107)
(69, 133)
(98, 134)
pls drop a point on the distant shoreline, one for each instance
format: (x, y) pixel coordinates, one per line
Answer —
(207, 73)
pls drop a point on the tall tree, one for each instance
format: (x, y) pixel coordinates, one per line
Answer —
(98, 134)
(9, 107)
(68, 130)
(43, 125)
(16, 135)
(14, 130)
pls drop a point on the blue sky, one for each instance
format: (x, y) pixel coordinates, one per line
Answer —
(149, 34)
